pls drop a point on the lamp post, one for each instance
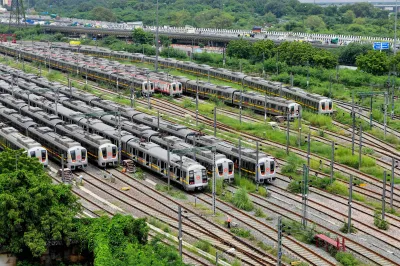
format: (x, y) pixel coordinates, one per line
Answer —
(156, 63)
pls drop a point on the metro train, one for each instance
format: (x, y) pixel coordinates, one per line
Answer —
(312, 101)
(11, 138)
(259, 103)
(55, 144)
(248, 156)
(99, 149)
(183, 170)
(139, 130)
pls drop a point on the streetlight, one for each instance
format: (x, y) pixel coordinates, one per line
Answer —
(156, 63)
(231, 250)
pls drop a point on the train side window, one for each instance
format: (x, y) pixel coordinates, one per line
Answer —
(162, 166)
(140, 154)
(178, 173)
(104, 152)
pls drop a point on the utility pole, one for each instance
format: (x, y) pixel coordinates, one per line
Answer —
(354, 121)
(180, 230)
(62, 167)
(158, 120)
(308, 148)
(197, 102)
(308, 74)
(168, 174)
(240, 157)
(360, 149)
(300, 126)
(280, 233)
(385, 115)
(214, 149)
(349, 204)
(157, 52)
(119, 139)
(257, 164)
(240, 103)
(215, 121)
(131, 96)
(383, 194)
(332, 159)
(330, 86)
(287, 135)
(395, 31)
(392, 184)
(291, 79)
(304, 195)
(265, 108)
(148, 90)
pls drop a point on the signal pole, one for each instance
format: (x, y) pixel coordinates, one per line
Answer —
(349, 203)
(280, 229)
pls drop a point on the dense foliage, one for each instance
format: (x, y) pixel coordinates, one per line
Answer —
(33, 210)
(287, 15)
(122, 240)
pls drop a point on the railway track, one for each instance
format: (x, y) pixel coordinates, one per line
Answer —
(178, 111)
(362, 226)
(358, 206)
(358, 248)
(110, 213)
(348, 107)
(290, 244)
(205, 229)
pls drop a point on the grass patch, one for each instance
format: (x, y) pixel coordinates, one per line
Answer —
(159, 224)
(259, 213)
(379, 222)
(296, 229)
(347, 259)
(172, 192)
(241, 232)
(345, 228)
(242, 200)
(205, 246)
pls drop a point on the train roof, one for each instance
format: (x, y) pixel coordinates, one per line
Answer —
(17, 138)
(49, 135)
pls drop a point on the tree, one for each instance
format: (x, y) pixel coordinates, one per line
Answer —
(295, 53)
(34, 210)
(102, 13)
(141, 37)
(123, 240)
(263, 48)
(315, 23)
(348, 17)
(239, 49)
(348, 54)
(373, 62)
(324, 58)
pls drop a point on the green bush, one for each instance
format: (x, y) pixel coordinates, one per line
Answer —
(242, 201)
(346, 259)
(294, 186)
(345, 228)
(259, 213)
(241, 232)
(379, 222)
(204, 245)
(293, 163)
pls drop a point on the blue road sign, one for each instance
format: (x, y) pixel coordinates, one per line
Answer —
(381, 45)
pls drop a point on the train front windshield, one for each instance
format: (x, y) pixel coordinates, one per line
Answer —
(44, 155)
(230, 166)
(114, 152)
(191, 177)
(174, 87)
(323, 106)
(330, 105)
(262, 168)
(83, 153)
(272, 168)
(73, 156)
(204, 175)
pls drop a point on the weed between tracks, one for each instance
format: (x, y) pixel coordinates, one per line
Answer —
(172, 192)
